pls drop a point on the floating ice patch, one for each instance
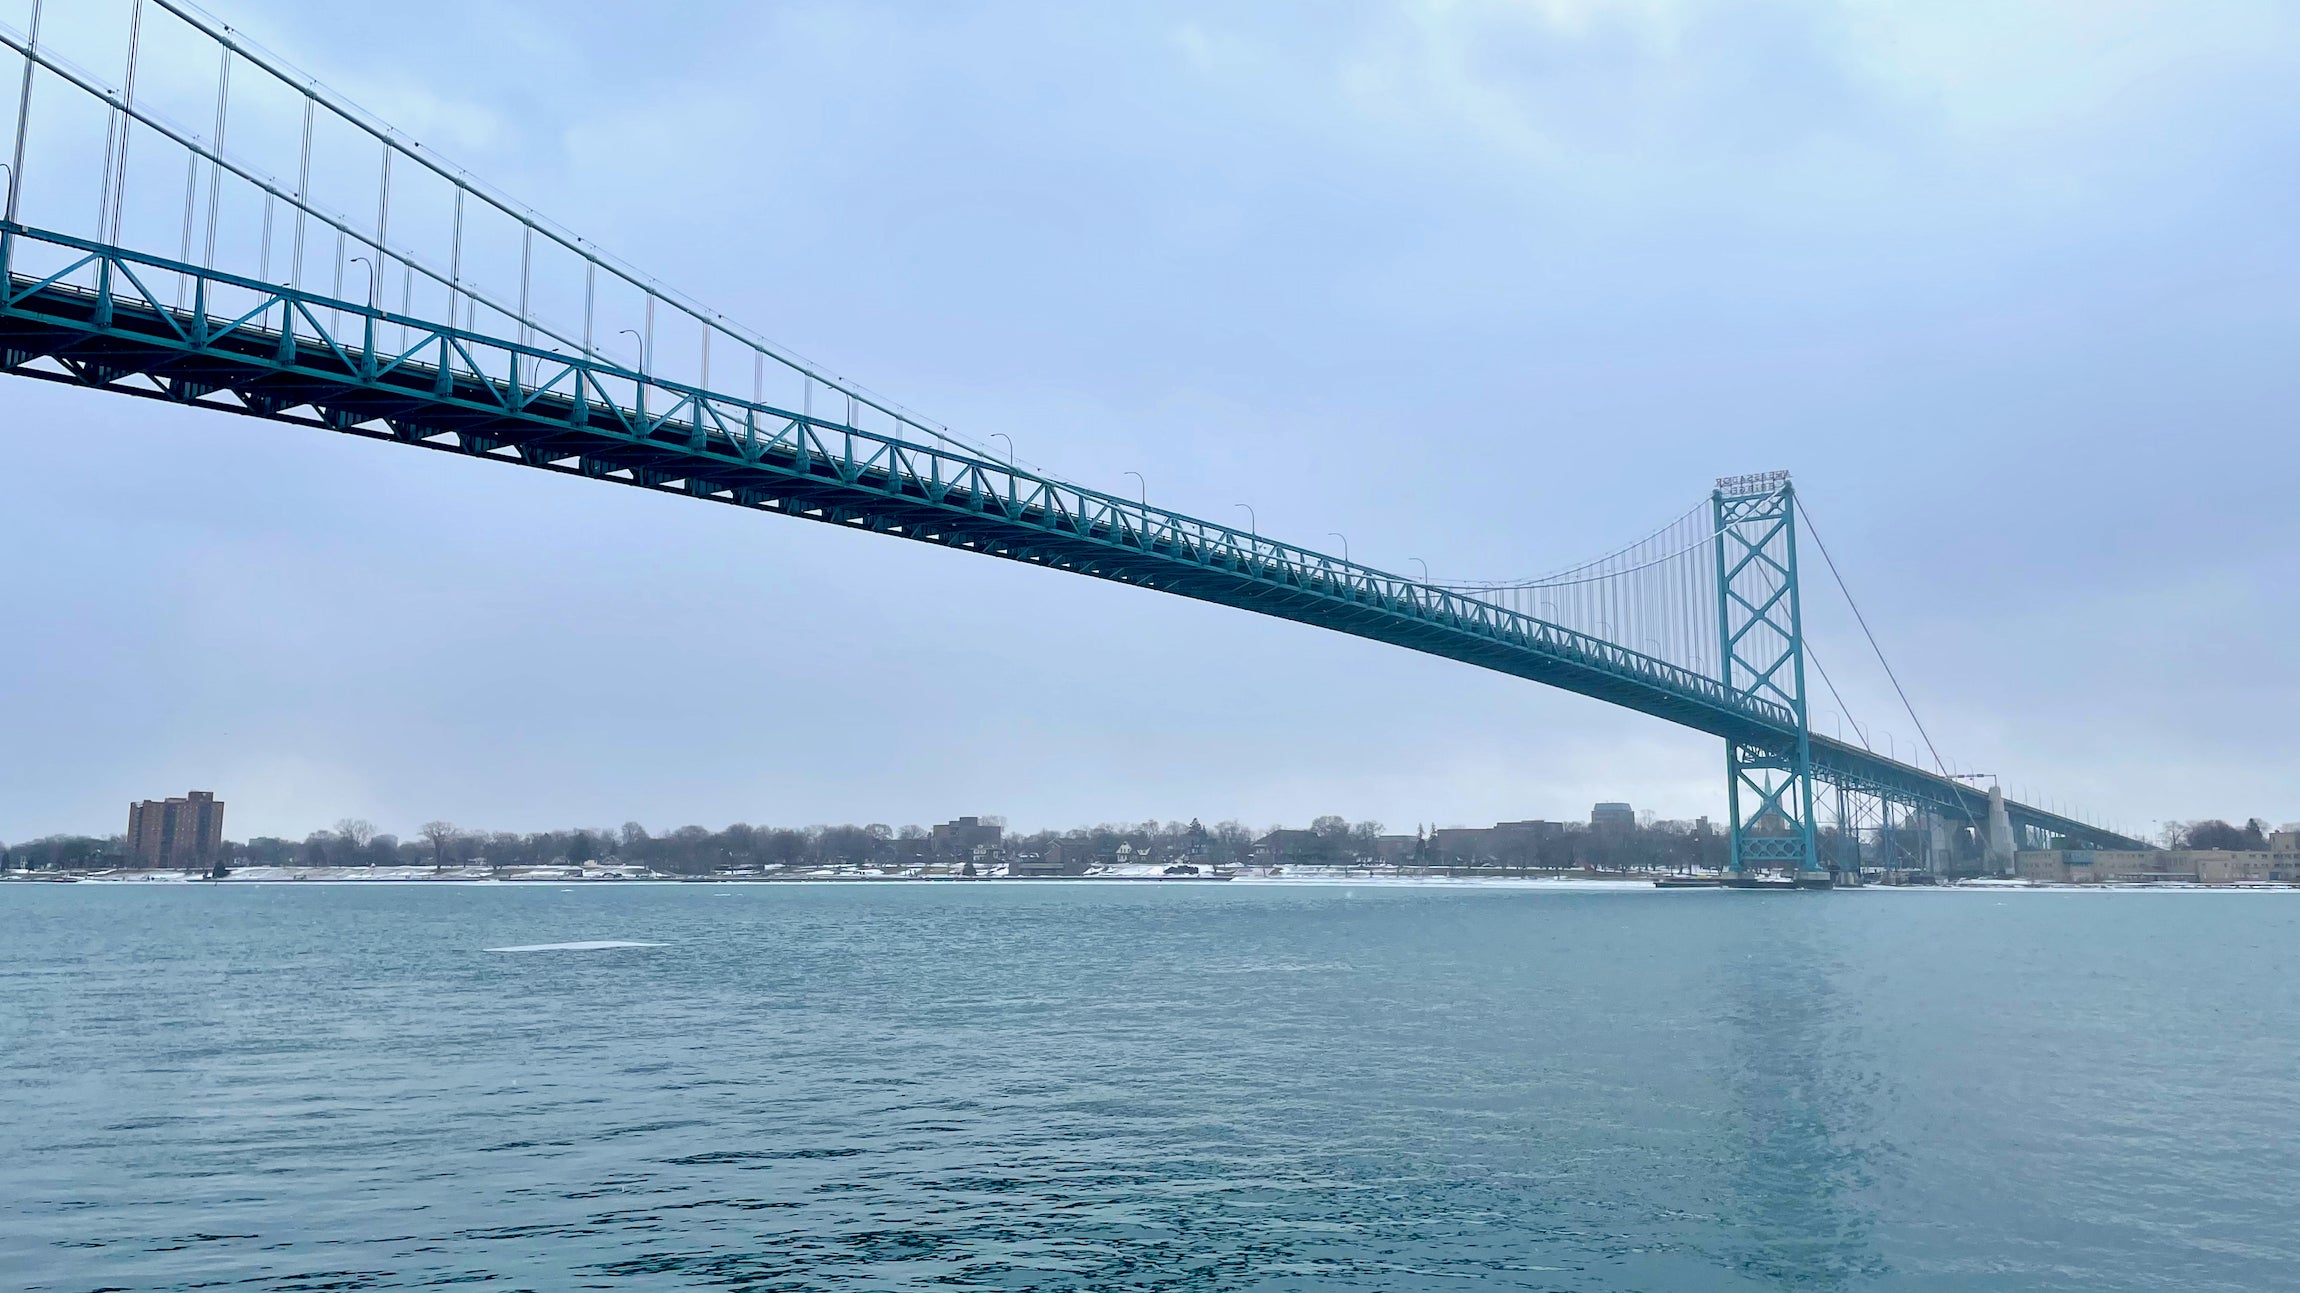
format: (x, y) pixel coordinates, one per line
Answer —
(600, 945)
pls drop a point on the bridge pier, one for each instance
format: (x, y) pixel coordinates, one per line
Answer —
(2000, 835)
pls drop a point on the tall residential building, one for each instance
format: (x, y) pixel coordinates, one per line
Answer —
(169, 833)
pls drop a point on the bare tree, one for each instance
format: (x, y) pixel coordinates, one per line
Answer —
(438, 835)
(2215, 834)
(353, 834)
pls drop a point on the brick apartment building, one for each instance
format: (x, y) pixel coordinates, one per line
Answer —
(965, 837)
(171, 833)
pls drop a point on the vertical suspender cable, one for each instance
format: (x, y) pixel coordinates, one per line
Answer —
(302, 194)
(128, 104)
(216, 168)
(116, 136)
(191, 191)
(526, 274)
(382, 211)
(382, 240)
(455, 262)
(23, 113)
(104, 185)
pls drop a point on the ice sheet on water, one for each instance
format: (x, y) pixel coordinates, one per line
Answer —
(593, 946)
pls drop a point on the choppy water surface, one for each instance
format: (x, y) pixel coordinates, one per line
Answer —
(1121, 1086)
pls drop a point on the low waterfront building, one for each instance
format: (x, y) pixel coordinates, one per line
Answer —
(1462, 845)
(2132, 866)
(1511, 843)
(1397, 850)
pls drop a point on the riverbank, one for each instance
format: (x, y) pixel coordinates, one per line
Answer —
(1282, 876)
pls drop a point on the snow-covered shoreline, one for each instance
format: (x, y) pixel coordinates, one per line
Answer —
(1293, 877)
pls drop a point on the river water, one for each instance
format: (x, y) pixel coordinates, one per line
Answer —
(1146, 1086)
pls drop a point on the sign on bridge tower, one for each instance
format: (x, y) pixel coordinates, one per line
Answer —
(1769, 787)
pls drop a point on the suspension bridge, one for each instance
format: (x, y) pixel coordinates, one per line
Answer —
(179, 227)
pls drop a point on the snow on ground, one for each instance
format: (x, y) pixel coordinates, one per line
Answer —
(592, 946)
(1443, 881)
(1292, 875)
(368, 874)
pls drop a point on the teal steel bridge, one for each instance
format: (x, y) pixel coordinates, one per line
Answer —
(506, 343)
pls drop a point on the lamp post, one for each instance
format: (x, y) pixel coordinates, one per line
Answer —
(1345, 545)
(1253, 522)
(367, 324)
(639, 396)
(1145, 487)
(1001, 435)
(1424, 565)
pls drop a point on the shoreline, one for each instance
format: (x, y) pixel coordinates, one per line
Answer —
(564, 877)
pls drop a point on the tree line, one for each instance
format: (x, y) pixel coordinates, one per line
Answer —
(688, 850)
(2214, 834)
(697, 850)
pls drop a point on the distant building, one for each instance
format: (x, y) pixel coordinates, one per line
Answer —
(1509, 836)
(1613, 817)
(1462, 845)
(170, 833)
(1289, 846)
(2195, 866)
(1069, 857)
(965, 837)
(1397, 850)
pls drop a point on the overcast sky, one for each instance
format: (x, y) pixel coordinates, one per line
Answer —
(2013, 290)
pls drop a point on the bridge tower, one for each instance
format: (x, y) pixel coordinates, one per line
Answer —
(1761, 629)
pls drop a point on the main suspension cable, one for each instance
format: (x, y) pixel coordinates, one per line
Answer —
(1863, 620)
